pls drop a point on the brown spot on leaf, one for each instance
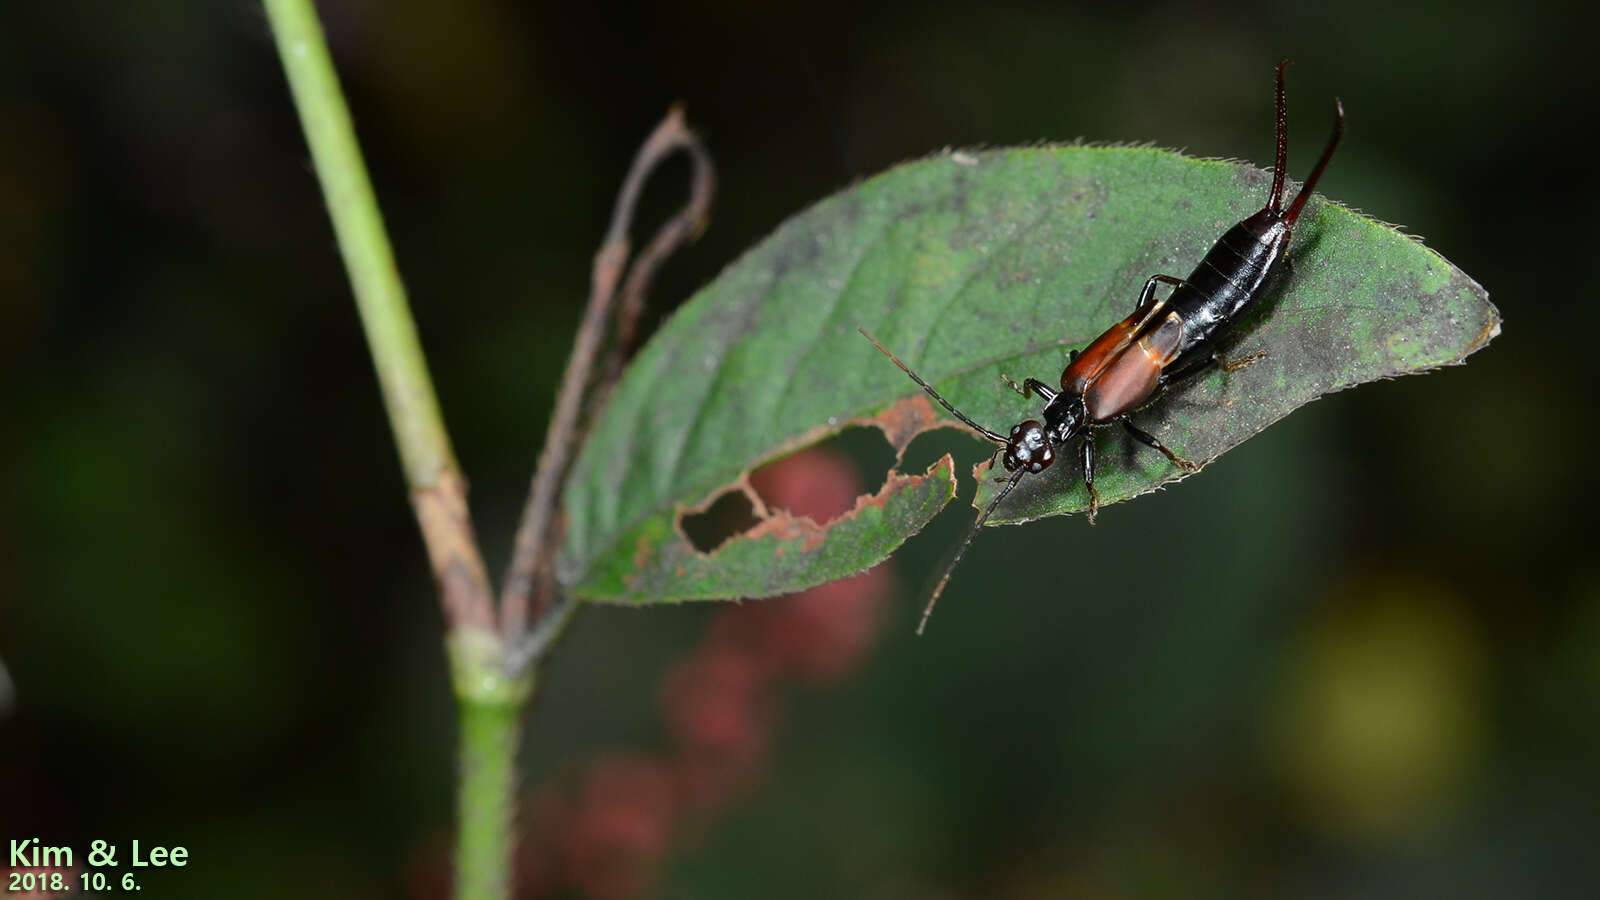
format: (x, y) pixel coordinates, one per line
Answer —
(1491, 330)
(642, 552)
(981, 469)
(785, 527)
(907, 418)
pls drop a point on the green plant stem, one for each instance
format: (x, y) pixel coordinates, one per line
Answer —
(491, 714)
(402, 372)
(438, 492)
(490, 705)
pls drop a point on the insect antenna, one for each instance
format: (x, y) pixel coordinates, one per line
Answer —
(986, 433)
(939, 588)
(1327, 154)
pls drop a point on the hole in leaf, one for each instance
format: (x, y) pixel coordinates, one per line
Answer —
(823, 481)
(728, 515)
(963, 447)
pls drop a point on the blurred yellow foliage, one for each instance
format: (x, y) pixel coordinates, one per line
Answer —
(1379, 717)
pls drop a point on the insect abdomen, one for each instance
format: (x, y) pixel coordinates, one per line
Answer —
(1228, 278)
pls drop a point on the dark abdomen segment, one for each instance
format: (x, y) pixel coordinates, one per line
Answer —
(1228, 278)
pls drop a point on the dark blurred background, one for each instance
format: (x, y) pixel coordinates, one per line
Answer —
(1359, 656)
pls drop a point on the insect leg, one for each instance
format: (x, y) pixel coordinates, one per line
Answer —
(1150, 288)
(1088, 473)
(1031, 385)
(1214, 358)
(1234, 365)
(1149, 440)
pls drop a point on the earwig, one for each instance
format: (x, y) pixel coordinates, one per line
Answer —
(1164, 342)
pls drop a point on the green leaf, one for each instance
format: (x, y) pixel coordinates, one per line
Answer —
(969, 266)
